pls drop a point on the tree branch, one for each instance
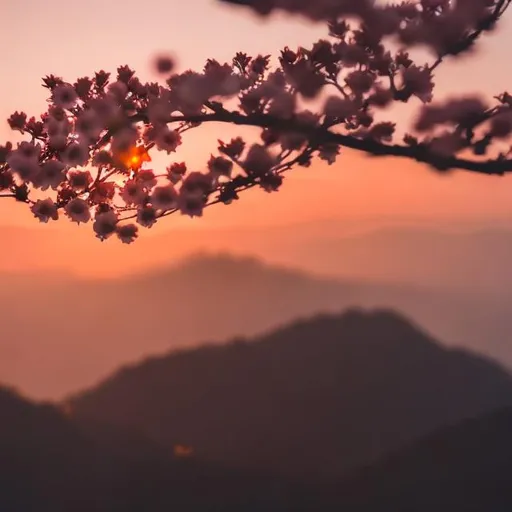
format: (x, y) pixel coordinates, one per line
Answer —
(320, 135)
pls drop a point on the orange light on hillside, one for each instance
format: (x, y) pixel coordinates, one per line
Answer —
(135, 157)
(183, 451)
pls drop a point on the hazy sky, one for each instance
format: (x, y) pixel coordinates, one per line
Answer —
(74, 38)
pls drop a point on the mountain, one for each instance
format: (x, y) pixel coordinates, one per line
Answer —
(463, 468)
(472, 257)
(473, 261)
(312, 400)
(63, 334)
(50, 463)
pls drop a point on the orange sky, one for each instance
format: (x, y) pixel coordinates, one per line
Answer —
(72, 38)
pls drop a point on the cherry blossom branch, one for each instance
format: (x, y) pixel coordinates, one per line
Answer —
(417, 152)
(89, 154)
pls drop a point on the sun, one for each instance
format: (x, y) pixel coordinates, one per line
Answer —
(135, 157)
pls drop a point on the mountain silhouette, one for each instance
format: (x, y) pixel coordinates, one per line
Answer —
(311, 400)
(102, 324)
(49, 463)
(463, 468)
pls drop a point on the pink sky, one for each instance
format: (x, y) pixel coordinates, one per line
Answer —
(72, 39)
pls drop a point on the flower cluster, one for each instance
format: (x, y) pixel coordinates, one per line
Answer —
(89, 156)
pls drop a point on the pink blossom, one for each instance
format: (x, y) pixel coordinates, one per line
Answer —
(26, 168)
(124, 140)
(191, 204)
(76, 154)
(176, 171)
(58, 142)
(164, 197)
(44, 210)
(64, 96)
(418, 82)
(89, 125)
(146, 177)
(197, 183)
(118, 90)
(102, 192)
(18, 121)
(341, 108)
(381, 97)
(293, 140)
(105, 224)
(102, 158)
(57, 127)
(501, 124)
(234, 148)
(282, 105)
(164, 64)
(78, 210)
(25, 160)
(127, 233)
(159, 110)
(351, 54)
(382, 132)
(360, 81)
(271, 182)
(133, 193)
(329, 153)
(455, 110)
(220, 166)
(146, 216)
(446, 145)
(79, 180)
(258, 160)
(167, 140)
(106, 109)
(28, 150)
(51, 175)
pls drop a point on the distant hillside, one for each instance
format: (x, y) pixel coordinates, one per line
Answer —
(50, 464)
(314, 399)
(63, 334)
(464, 468)
(472, 257)
(475, 261)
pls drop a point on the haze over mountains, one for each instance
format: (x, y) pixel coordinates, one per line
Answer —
(60, 335)
(473, 257)
(64, 334)
(282, 422)
(277, 413)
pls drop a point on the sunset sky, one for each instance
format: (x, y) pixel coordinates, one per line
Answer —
(72, 39)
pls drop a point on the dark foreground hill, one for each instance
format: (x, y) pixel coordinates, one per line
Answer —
(464, 468)
(312, 400)
(48, 463)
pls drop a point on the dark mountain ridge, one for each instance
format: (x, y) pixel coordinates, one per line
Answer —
(311, 400)
(52, 463)
(462, 468)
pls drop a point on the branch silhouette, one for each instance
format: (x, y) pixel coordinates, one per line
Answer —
(89, 156)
